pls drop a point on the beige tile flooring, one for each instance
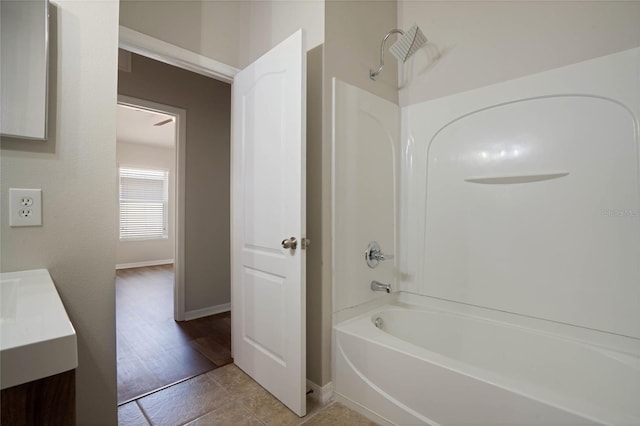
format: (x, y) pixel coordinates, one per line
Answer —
(227, 396)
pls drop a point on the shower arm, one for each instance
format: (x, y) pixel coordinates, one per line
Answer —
(373, 75)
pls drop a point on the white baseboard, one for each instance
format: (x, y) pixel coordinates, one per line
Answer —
(374, 417)
(204, 312)
(322, 394)
(141, 264)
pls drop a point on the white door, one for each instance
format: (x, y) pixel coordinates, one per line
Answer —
(268, 206)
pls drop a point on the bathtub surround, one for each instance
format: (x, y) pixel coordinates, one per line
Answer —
(366, 166)
(543, 248)
(506, 230)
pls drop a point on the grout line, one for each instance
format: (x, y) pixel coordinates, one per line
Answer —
(160, 389)
(144, 414)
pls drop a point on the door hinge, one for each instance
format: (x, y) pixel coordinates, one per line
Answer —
(306, 242)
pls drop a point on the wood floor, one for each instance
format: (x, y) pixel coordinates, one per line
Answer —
(154, 351)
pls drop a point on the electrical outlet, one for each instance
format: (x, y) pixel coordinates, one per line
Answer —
(25, 207)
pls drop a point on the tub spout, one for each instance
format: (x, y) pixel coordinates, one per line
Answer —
(378, 286)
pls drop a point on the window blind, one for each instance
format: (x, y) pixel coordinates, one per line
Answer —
(144, 199)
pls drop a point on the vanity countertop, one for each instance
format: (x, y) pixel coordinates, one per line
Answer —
(37, 338)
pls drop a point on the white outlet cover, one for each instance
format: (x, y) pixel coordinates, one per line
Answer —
(25, 207)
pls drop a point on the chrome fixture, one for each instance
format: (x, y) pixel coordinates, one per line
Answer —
(378, 322)
(378, 286)
(290, 243)
(402, 49)
(374, 255)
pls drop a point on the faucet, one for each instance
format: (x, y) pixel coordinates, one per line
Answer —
(378, 286)
(373, 255)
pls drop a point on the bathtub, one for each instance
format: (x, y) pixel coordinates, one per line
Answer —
(438, 362)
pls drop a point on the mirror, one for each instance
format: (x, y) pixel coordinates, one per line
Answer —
(24, 50)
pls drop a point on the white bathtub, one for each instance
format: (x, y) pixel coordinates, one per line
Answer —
(439, 362)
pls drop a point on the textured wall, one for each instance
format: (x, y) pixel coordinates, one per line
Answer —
(207, 102)
(75, 168)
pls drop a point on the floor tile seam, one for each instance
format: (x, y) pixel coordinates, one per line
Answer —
(230, 400)
(144, 413)
(163, 388)
(226, 404)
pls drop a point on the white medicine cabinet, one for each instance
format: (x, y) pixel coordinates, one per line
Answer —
(24, 61)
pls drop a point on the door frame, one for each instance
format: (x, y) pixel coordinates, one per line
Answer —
(180, 116)
(151, 47)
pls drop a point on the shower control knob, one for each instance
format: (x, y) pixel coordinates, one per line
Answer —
(290, 243)
(373, 255)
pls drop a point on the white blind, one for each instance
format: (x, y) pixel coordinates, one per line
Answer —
(144, 198)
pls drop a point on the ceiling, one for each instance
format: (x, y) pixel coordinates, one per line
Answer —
(138, 126)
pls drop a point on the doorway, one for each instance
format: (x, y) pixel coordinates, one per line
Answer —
(156, 347)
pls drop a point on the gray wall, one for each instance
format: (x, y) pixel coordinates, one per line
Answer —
(233, 32)
(315, 302)
(485, 42)
(76, 170)
(208, 105)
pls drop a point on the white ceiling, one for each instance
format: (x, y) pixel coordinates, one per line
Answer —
(137, 126)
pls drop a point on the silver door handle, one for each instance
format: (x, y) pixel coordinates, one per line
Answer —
(290, 243)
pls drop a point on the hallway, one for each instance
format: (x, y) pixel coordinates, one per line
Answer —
(153, 350)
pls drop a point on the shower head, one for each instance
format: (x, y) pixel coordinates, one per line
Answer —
(408, 44)
(402, 49)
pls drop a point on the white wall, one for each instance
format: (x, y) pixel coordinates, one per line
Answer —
(148, 157)
(75, 169)
(484, 42)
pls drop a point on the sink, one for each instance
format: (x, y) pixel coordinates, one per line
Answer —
(37, 339)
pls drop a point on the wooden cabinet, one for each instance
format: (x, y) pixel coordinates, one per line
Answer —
(50, 401)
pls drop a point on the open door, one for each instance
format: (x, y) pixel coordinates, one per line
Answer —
(268, 223)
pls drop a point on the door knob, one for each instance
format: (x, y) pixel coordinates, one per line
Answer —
(290, 243)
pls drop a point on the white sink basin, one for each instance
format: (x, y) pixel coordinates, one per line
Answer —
(36, 337)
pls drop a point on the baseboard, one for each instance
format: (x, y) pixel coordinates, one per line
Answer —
(142, 264)
(374, 417)
(322, 394)
(204, 312)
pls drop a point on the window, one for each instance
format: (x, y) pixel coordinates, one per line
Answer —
(144, 199)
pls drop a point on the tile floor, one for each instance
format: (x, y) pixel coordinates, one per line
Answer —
(227, 396)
